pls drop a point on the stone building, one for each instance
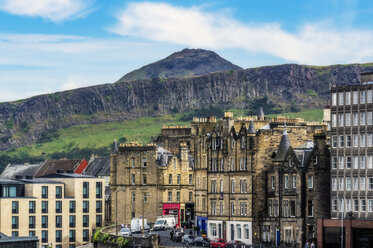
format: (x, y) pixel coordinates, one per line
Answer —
(297, 192)
(154, 183)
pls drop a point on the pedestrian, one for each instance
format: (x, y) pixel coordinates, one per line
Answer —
(171, 234)
(307, 245)
(313, 244)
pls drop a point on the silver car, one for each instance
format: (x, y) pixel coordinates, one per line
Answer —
(125, 232)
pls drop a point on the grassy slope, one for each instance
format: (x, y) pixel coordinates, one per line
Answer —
(95, 136)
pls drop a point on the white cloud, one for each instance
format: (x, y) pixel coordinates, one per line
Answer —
(318, 43)
(54, 10)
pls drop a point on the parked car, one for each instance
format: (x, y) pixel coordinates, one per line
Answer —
(125, 232)
(202, 241)
(177, 237)
(187, 239)
(236, 244)
(163, 223)
(218, 243)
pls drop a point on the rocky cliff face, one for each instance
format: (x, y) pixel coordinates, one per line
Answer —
(23, 122)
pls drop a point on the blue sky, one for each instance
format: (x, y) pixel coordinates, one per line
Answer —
(54, 45)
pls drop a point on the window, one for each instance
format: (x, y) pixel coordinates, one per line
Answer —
(334, 162)
(169, 196)
(58, 207)
(243, 186)
(213, 229)
(44, 236)
(58, 192)
(334, 120)
(363, 205)
(370, 181)
(340, 120)
(334, 141)
(145, 196)
(58, 221)
(334, 205)
(348, 119)
(85, 206)
(334, 183)
(144, 163)
(243, 207)
(362, 183)
(348, 183)
(341, 141)
(44, 192)
(246, 231)
(144, 179)
(369, 118)
(362, 118)
(72, 220)
(355, 119)
(270, 209)
(32, 207)
(31, 233)
(273, 182)
(44, 207)
(72, 235)
(334, 99)
(31, 221)
(232, 164)
(170, 179)
(15, 233)
(275, 208)
(348, 205)
(294, 182)
(369, 96)
(44, 221)
(98, 206)
(242, 142)
(356, 205)
(310, 182)
(14, 207)
(370, 140)
(355, 162)
(58, 236)
(355, 142)
(98, 220)
(221, 208)
(239, 231)
(341, 183)
(232, 208)
(133, 199)
(190, 179)
(356, 183)
(14, 222)
(213, 186)
(190, 196)
(133, 162)
(85, 220)
(133, 179)
(232, 186)
(341, 162)
(310, 208)
(362, 96)
(85, 189)
(178, 196)
(286, 182)
(213, 208)
(178, 179)
(348, 162)
(370, 205)
(72, 206)
(362, 162)
(362, 140)
(221, 164)
(98, 189)
(292, 208)
(348, 98)
(86, 235)
(340, 98)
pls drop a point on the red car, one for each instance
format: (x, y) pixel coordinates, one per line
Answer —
(218, 243)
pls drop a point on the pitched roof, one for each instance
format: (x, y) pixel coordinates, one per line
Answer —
(52, 166)
(251, 128)
(19, 170)
(260, 113)
(163, 156)
(283, 147)
(98, 166)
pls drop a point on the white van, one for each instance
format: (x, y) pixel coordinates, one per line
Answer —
(136, 225)
(164, 222)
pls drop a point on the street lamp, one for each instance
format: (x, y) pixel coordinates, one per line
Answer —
(116, 208)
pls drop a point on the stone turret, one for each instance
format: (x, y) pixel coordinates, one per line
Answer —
(283, 147)
(251, 128)
(261, 114)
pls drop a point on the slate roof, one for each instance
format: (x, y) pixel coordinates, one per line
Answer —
(9, 181)
(67, 175)
(163, 156)
(283, 147)
(52, 166)
(251, 128)
(6, 239)
(19, 170)
(304, 156)
(99, 166)
(40, 180)
(260, 113)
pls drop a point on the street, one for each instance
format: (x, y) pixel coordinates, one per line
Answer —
(166, 241)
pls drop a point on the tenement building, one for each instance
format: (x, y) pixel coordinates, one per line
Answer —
(351, 167)
(215, 175)
(60, 209)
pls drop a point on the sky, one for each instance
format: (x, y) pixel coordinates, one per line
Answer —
(54, 45)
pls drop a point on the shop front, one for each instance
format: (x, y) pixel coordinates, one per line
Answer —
(202, 224)
(172, 209)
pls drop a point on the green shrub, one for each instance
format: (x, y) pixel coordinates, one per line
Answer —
(104, 238)
(97, 236)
